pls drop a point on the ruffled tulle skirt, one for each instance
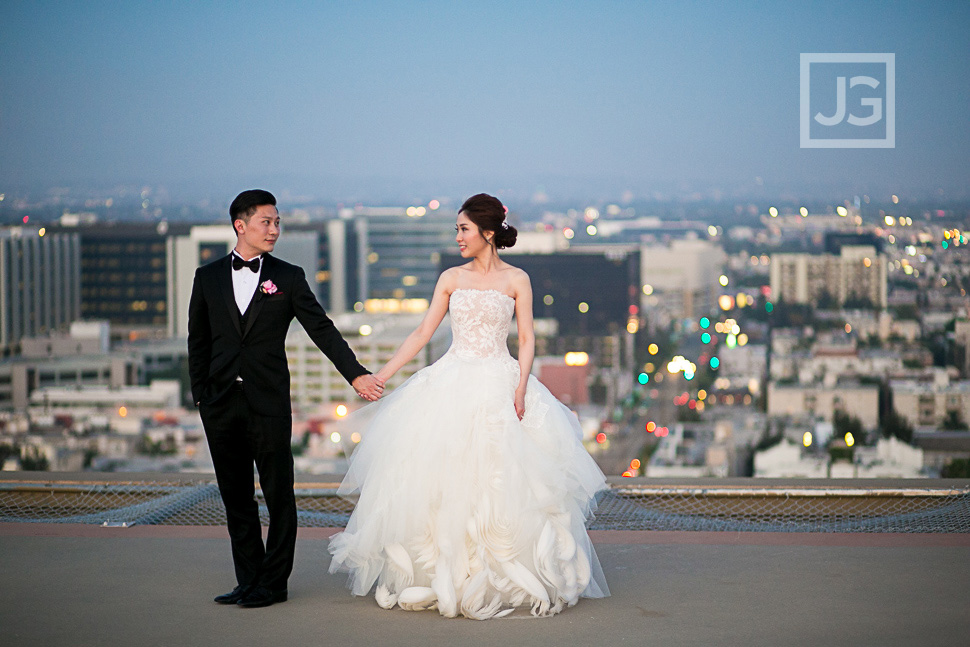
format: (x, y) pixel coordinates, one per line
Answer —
(463, 507)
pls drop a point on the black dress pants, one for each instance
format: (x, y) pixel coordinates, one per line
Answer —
(239, 438)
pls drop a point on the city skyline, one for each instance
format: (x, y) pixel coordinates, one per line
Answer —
(383, 101)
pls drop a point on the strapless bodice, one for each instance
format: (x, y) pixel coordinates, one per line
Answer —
(480, 322)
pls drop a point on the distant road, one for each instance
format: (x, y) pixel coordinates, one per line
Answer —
(624, 447)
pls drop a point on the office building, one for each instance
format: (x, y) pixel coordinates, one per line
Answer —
(588, 291)
(123, 276)
(400, 250)
(76, 360)
(206, 243)
(855, 277)
(316, 385)
(40, 291)
(679, 279)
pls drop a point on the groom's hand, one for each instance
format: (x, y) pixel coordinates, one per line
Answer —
(368, 387)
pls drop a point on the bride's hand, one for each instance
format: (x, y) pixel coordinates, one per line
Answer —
(520, 404)
(382, 376)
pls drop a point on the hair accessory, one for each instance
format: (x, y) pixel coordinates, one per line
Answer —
(505, 225)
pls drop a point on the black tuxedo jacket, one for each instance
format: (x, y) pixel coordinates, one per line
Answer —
(221, 349)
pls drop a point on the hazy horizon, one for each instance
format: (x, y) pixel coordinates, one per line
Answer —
(385, 101)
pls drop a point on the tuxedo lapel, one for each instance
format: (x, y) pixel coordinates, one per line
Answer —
(224, 277)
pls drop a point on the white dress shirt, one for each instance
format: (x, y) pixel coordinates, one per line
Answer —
(244, 283)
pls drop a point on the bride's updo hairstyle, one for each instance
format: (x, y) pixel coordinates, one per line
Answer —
(489, 214)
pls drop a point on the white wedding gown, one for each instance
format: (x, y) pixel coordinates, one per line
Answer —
(463, 507)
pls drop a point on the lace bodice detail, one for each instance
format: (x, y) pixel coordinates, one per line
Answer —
(480, 322)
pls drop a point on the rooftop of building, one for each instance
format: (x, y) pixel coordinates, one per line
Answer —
(90, 584)
(955, 441)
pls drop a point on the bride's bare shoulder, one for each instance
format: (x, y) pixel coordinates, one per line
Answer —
(516, 274)
(449, 277)
(452, 273)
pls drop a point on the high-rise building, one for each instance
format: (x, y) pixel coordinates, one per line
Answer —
(338, 277)
(39, 284)
(399, 251)
(138, 276)
(587, 290)
(812, 230)
(124, 270)
(316, 384)
(856, 276)
(204, 244)
(679, 278)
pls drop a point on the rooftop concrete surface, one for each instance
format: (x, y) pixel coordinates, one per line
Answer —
(81, 585)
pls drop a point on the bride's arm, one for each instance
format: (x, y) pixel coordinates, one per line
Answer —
(527, 338)
(422, 334)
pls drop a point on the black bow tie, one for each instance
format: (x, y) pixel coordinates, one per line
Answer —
(238, 263)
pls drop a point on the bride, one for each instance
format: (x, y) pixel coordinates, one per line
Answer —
(474, 486)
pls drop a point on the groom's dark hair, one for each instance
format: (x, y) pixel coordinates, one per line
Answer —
(245, 204)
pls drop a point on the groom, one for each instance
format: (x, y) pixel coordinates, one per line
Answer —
(239, 312)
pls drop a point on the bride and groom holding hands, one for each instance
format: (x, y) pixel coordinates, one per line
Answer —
(473, 484)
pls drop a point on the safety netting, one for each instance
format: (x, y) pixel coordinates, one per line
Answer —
(785, 508)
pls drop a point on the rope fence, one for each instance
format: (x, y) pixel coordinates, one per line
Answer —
(639, 507)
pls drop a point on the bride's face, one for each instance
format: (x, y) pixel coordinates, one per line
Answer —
(470, 240)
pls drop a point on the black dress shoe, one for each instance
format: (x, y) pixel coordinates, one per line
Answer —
(260, 596)
(235, 595)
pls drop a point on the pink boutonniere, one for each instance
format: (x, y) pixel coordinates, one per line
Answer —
(268, 287)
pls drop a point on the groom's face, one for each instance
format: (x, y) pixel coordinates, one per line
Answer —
(259, 235)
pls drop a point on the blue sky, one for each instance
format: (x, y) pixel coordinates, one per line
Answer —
(350, 97)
